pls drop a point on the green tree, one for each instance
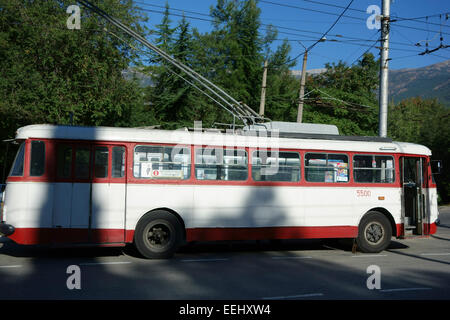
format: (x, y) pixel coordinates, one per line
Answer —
(230, 56)
(282, 87)
(236, 45)
(424, 121)
(49, 73)
(174, 101)
(346, 97)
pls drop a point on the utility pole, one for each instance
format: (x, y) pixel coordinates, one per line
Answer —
(263, 90)
(302, 88)
(384, 68)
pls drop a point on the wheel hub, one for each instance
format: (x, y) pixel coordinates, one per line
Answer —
(374, 233)
(158, 235)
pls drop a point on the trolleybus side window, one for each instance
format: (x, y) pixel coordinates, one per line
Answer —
(162, 162)
(82, 160)
(221, 164)
(101, 162)
(64, 161)
(17, 168)
(275, 166)
(324, 167)
(37, 159)
(373, 169)
(118, 162)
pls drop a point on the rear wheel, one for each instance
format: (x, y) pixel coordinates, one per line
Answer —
(374, 233)
(158, 235)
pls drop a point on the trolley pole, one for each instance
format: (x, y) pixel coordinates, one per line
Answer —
(384, 68)
(302, 88)
(263, 90)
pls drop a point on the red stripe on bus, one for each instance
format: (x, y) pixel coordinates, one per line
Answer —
(30, 236)
(432, 228)
(213, 234)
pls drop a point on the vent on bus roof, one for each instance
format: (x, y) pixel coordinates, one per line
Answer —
(306, 131)
(294, 127)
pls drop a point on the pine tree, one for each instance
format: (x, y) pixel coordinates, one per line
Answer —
(237, 46)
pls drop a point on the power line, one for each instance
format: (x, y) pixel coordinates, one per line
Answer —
(332, 26)
(370, 48)
(335, 6)
(305, 56)
(394, 20)
(356, 42)
(239, 110)
(264, 26)
(336, 14)
(418, 19)
(351, 40)
(211, 20)
(172, 72)
(309, 9)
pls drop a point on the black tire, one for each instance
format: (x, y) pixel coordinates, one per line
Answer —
(158, 235)
(374, 233)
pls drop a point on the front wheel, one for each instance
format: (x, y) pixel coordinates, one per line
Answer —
(374, 233)
(158, 235)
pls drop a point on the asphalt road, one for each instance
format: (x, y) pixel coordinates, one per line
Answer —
(416, 268)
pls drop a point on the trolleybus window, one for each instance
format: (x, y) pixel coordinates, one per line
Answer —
(37, 159)
(64, 161)
(161, 162)
(275, 166)
(82, 157)
(373, 169)
(221, 164)
(118, 162)
(324, 167)
(17, 168)
(101, 162)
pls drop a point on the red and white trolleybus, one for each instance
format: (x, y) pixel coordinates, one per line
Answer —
(159, 189)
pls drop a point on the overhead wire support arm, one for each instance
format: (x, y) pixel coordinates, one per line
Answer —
(239, 110)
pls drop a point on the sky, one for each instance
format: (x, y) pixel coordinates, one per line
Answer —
(303, 22)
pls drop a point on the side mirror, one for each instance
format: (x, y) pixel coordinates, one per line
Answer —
(436, 166)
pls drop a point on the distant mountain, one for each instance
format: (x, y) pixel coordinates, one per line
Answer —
(133, 73)
(298, 73)
(428, 82)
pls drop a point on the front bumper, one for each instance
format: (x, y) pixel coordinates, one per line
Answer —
(6, 229)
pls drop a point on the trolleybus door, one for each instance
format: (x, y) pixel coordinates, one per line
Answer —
(414, 211)
(89, 194)
(107, 216)
(72, 191)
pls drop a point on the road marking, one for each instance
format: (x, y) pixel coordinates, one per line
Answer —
(404, 289)
(370, 255)
(101, 263)
(203, 260)
(435, 254)
(279, 258)
(328, 247)
(12, 266)
(308, 295)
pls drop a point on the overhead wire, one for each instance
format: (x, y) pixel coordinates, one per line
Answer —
(336, 14)
(243, 112)
(339, 38)
(307, 32)
(370, 48)
(397, 18)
